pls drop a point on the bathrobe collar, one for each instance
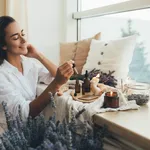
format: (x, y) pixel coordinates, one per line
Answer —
(12, 69)
(21, 77)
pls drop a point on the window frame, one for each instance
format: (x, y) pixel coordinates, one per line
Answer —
(131, 5)
(127, 6)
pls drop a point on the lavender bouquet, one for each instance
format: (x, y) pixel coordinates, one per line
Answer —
(105, 78)
(39, 134)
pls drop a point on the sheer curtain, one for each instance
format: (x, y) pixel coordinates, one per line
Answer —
(18, 10)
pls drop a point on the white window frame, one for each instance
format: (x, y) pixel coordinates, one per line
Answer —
(127, 6)
(112, 9)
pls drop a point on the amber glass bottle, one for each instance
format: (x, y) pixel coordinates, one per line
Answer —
(77, 86)
(86, 82)
(83, 92)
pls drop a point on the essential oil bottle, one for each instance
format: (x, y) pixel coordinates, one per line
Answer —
(86, 82)
(77, 86)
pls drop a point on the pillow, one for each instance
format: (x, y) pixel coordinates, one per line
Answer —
(67, 51)
(115, 55)
(77, 51)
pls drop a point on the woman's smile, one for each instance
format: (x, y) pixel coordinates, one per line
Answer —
(23, 46)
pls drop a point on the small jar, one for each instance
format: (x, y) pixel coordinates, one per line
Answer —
(140, 92)
(111, 100)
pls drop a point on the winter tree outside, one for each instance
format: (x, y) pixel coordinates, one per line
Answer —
(139, 70)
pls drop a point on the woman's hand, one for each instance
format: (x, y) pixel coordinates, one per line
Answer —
(32, 51)
(64, 72)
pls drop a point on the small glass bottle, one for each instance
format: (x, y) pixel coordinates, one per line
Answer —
(77, 86)
(87, 82)
(83, 91)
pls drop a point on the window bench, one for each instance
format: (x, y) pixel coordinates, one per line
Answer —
(130, 128)
(131, 125)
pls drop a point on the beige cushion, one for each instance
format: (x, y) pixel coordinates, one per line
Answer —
(77, 51)
(83, 48)
(67, 51)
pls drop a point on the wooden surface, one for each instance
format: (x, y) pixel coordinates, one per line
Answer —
(132, 125)
(87, 98)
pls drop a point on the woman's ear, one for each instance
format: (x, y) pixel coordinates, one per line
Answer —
(4, 47)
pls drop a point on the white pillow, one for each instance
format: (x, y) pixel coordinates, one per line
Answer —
(112, 55)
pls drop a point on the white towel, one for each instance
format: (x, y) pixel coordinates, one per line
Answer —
(65, 102)
(96, 106)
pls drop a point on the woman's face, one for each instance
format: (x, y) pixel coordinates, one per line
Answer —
(14, 38)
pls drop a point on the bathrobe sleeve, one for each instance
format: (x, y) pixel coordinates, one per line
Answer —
(44, 76)
(12, 96)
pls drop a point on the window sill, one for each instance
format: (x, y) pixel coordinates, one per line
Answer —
(131, 125)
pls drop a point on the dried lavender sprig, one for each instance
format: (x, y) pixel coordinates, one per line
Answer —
(56, 135)
(79, 113)
(52, 101)
(2, 147)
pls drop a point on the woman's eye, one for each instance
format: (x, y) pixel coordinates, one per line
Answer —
(16, 38)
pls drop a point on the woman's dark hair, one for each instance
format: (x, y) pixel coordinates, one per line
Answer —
(4, 22)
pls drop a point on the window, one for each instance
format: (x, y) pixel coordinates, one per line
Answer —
(90, 4)
(121, 24)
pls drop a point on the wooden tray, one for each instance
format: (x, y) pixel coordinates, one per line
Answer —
(87, 98)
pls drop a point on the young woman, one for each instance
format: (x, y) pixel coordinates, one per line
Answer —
(19, 74)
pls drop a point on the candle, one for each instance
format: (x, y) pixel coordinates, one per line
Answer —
(94, 88)
(111, 94)
(95, 80)
(111, 100)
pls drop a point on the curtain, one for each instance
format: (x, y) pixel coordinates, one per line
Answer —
(18, 10)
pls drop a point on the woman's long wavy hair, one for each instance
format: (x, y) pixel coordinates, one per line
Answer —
(4, 22)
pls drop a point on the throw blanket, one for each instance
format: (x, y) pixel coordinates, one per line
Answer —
(65, 102)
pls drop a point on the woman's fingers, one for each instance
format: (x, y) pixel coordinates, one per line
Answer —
(66, 65)
(64, 72)
(70, 62)
(68, 73)
(66, 69)
(59, 93)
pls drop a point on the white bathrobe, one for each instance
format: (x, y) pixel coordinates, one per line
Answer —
(20, 89)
